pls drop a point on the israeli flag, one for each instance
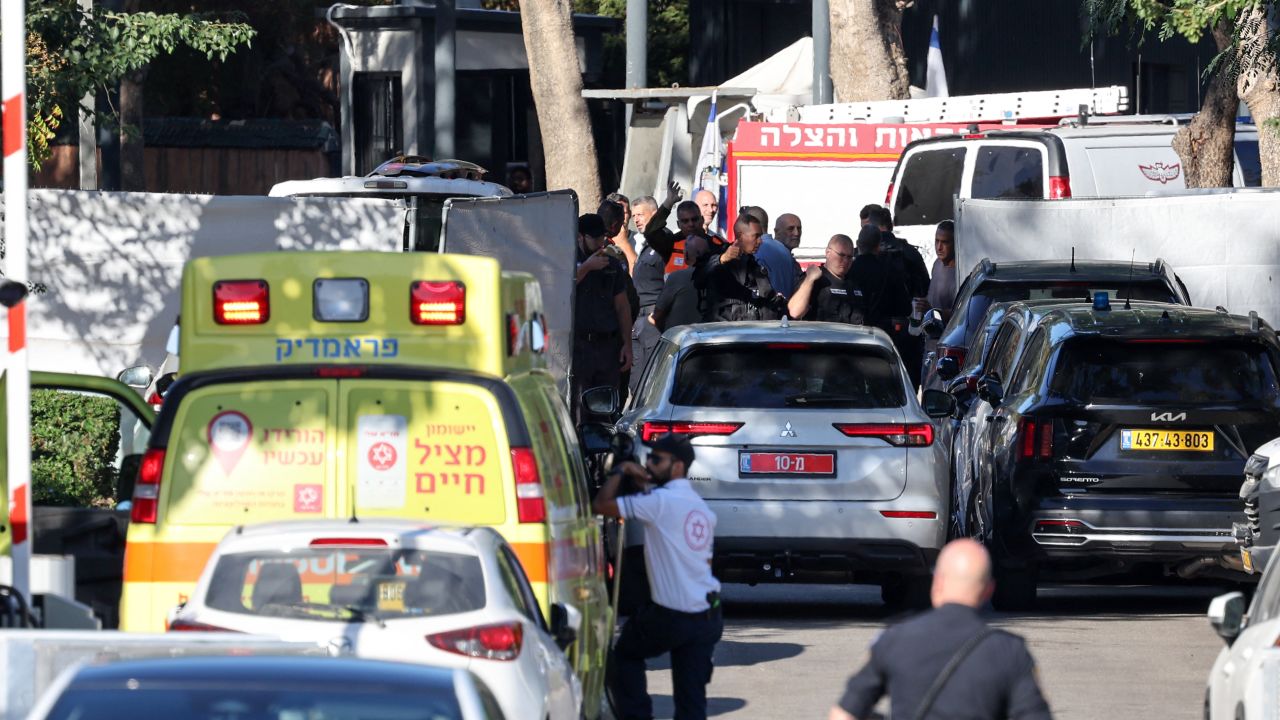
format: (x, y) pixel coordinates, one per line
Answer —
(936, 75)
(708, 173)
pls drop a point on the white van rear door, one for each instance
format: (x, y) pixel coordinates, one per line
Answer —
(929, 178)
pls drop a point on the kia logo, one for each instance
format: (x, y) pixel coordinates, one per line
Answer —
(1168, 417)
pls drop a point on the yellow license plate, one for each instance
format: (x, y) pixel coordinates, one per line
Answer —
(1177, 440)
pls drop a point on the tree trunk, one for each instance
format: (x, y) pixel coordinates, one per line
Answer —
(1207, 145)
(867, 59)
(132, 176)
(1259, 87)
(556, 80)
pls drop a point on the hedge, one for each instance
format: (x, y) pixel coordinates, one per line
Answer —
(74, 443)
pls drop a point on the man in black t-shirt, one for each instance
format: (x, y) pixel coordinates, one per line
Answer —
(827, 292)
(873, 276)
(601, 312)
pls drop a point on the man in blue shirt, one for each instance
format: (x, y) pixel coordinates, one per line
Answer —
(784, 271)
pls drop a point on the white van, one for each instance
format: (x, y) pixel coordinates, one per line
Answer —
(1122, 156)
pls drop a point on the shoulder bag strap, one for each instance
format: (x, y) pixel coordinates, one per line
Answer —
(926, 703)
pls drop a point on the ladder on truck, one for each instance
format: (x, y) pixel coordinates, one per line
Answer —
(995, 107)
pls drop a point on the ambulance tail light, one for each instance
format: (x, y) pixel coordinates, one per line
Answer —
(530, 505)
(487, 642)
(146, 492)
(1059, 187)
(888, 194)
(437, 303)
(241, 302)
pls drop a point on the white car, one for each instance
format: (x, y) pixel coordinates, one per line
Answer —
(1243, 682)
(395, 590)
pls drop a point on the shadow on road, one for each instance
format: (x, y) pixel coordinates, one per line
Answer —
(1120, 602)
(738, 653)
(664, 708)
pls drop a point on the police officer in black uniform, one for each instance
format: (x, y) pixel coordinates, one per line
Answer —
(828, 293)
(650, 272)
(600, 313)
(881, 294)
(733, 285)
(947, 663)
(908, 268)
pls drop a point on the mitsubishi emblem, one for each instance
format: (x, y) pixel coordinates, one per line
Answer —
(787, 432)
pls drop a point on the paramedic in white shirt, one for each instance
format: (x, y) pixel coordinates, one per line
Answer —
(683, 617)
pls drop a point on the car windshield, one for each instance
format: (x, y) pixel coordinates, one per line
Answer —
(347, 584)
(1165, 372)
(218, 701)
(789, 375)
(994, 292)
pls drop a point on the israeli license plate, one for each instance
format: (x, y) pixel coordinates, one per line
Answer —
(1176, 440)
(758, 463)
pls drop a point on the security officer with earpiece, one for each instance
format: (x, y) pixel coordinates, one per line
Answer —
(683, 617)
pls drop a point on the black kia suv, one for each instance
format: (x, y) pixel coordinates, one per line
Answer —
(1118, 440)
(1041, 280)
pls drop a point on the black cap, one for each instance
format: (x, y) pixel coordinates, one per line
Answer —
(677, 446)
(591, 225)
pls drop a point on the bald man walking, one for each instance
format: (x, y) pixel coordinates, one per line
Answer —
(947, 663)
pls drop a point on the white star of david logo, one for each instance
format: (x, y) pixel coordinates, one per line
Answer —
(308, 496)
(383, 455)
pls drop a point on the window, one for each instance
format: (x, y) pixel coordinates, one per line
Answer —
(85, 448)
(1082, 290)
(377, 119)
(1163, 372)
(655, 376)
(513, 579)
(1008, 171)
(1250, 162)
(929, 181)
(1033, 359)
(789, 376)
(327, 584)
(1003, 350)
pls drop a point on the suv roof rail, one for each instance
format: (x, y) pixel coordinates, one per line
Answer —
(1169, 119)
(987, 267)
(1158, 267)
(1255, 322)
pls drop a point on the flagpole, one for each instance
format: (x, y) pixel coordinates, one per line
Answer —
(17, 376)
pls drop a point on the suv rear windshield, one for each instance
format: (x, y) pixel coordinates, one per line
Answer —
(994, 292)
(929, 182)
(1165, 372)
(788, 375)
(330, 584)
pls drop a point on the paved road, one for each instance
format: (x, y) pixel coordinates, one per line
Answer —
(1118, 652)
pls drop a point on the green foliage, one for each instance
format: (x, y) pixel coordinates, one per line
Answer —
(74, 440)
(72, 52)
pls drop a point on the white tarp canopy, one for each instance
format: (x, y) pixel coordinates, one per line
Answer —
(111, 262)
(1225, 245)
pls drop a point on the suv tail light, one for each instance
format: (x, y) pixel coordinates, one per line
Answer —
(1035, 439)
(146, 492)
(530, 505)
(437, 303)
(241, 302)
(181, 625)
(651, 430)
(912, 435)
(348, 542)
(1059, 187)
(489, 642)
(888, 194)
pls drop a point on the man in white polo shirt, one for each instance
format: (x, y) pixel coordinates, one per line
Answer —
(684, 616)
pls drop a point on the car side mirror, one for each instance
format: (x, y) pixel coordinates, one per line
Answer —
(948, 367)
(991, 391)
(938, 404)
(1226, 615)
(138, 377)
(566, 620)
(602, 400)
(932, 323)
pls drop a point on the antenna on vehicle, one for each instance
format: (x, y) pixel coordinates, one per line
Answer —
(354, 518)
(1128, 291)
(1073, 258)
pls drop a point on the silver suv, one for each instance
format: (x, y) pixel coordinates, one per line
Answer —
(812, 450)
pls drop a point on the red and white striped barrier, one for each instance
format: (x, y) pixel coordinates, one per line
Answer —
(13, 87)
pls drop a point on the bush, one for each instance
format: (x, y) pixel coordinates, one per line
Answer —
(74, 441)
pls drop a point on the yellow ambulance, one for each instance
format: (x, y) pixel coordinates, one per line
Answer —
(361, 385)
